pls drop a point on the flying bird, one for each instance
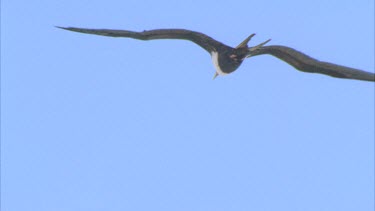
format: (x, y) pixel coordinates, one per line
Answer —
(227, 59)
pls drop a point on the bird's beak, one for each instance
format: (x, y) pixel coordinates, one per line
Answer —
(216, 74)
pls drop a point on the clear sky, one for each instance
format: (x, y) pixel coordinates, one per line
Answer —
(99, 123)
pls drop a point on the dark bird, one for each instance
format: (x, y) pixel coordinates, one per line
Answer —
(227, 59)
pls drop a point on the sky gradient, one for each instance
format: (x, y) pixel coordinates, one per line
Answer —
(99, 123)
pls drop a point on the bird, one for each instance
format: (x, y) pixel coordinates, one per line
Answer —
(227, 59)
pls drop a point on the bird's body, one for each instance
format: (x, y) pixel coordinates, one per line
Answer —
(227, 59)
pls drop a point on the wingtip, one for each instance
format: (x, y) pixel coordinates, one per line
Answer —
(60, 27)
(67, 28)
(70, 29)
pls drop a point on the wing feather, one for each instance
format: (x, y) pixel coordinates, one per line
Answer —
(306, 63)
(206, 42)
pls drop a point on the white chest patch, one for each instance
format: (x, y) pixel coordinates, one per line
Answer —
(215, 60)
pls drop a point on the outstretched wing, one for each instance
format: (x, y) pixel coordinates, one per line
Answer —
(305, 63)
(206, 42)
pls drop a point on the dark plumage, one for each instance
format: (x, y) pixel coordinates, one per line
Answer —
(305, 63)
(227, 59)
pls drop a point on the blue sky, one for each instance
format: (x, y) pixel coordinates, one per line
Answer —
(98, 123)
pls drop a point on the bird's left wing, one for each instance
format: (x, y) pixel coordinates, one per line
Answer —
(206, 42)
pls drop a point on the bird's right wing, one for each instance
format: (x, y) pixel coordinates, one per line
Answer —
(206, 42)
(305, 63)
